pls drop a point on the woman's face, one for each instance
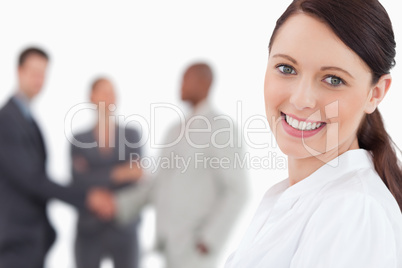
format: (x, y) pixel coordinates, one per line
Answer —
(317, 90)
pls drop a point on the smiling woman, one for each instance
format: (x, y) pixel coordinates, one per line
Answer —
(311, 76)
(328, 69)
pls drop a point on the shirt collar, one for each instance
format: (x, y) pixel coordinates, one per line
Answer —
(201, 108)
(349, 161)
(23, 103)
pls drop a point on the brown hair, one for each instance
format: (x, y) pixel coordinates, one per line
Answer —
(365, 27)
(31, 51)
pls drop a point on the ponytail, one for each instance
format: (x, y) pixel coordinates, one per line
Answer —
(373, 137)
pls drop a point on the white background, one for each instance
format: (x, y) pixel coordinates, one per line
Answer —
(144, 46)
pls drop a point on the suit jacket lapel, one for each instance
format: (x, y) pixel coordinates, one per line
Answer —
(29, 128)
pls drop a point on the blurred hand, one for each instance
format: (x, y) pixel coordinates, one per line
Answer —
(101, 202)
(126, 173)
(202, 248)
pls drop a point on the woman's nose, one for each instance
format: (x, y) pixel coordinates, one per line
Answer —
(303, 95)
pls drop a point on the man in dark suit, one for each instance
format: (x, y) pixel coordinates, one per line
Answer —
(25, 232)
(106, 165)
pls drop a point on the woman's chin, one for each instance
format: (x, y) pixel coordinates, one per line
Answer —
(299, 151)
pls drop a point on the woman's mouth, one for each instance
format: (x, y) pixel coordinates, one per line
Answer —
(301, 128)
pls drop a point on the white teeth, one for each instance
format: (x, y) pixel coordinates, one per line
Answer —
(301, 125)
(295, 123)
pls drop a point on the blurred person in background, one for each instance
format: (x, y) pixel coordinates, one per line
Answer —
(26, 234)
(105, 165)
(197, 205)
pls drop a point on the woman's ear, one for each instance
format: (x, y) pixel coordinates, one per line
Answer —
(378, 92)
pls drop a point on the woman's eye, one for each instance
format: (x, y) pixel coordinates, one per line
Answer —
(334, 81)
(286, 69)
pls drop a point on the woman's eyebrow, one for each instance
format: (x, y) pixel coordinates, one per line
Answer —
(325, 68)
(286, 57)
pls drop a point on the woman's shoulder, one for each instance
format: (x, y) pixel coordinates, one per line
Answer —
(358, 212)
(348, 221)
(360, 197)
(363, 186)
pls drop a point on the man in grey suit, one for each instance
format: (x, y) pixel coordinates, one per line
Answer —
(196, 204)
(26, 234)
(106, 165)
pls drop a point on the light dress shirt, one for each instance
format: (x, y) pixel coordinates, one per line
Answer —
(341, 216)
(24, 104)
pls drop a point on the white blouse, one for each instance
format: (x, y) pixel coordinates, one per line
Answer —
(341, 216)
